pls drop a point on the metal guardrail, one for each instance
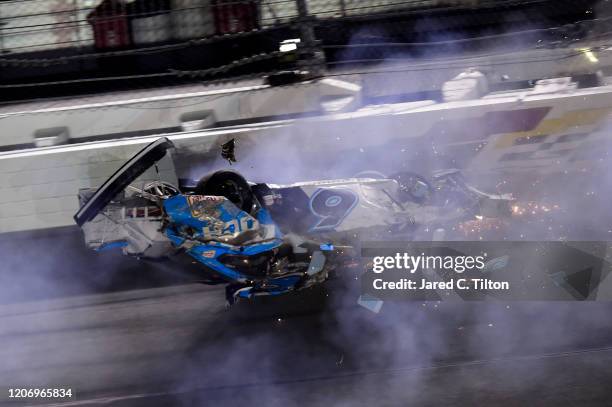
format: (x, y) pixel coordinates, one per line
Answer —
(39, 186)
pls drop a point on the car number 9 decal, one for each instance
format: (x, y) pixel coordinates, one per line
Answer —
(331, 206)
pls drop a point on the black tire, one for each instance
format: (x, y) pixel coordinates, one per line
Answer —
(229, 184)
(407, 181)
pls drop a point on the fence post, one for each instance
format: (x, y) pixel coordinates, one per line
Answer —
(2, 23)
(311, 57)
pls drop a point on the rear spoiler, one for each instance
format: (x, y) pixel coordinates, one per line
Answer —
(123, 177)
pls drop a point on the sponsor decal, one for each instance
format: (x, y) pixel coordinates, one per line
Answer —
(229, 229)
(480, 128)
(204, 198)
(558, 139)
(558, 126)
(204, 205)
(209, 254)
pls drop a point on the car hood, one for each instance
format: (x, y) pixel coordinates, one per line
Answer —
(124, 176)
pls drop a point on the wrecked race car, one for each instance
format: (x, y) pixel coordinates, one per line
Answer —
(266, 239)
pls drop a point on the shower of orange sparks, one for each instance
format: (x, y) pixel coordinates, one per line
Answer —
(479, 226)
(532, 209)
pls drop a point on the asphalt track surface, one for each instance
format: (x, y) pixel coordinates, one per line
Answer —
(122, 332)
(148, 340)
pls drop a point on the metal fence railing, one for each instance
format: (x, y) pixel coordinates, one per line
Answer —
(81, 42)
(35, 25)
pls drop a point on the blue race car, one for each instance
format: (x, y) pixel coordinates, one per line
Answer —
(265, 239)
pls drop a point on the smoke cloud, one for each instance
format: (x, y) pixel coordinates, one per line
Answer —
(317, 346)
